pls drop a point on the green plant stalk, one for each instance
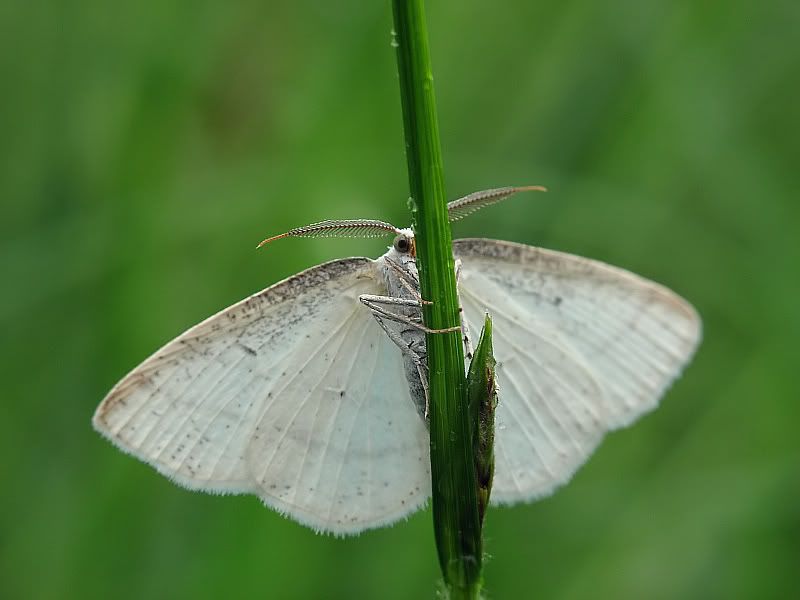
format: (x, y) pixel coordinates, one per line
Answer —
(455, 506)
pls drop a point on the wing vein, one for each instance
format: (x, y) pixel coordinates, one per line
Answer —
(275, 395)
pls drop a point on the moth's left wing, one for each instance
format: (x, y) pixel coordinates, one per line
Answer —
(294, 394)
(582, 348)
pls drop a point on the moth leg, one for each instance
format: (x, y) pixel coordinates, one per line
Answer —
(376, 305)
(407, 281)
(468, 350)
(422, 369)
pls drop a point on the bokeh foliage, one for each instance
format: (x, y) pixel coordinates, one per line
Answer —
(145, 148)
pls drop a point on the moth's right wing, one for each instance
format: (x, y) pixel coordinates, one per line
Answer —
(582, 348)
(294, 394)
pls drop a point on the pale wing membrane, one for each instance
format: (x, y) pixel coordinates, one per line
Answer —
(294, 395)
(551, 408)
(628, 335)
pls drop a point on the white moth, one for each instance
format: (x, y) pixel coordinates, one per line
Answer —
(299, 394)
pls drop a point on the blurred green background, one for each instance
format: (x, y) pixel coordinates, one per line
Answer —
(145, 148)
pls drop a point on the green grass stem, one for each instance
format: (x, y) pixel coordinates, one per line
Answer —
(455, 506)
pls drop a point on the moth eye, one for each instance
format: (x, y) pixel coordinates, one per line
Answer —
(401, 244)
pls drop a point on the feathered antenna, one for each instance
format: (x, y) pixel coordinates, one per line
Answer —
(458, 209)
(365, 228)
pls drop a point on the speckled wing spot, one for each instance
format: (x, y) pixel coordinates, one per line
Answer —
(293, 394)
(582, 348)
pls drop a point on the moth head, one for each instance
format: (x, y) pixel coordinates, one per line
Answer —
(404, 244)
